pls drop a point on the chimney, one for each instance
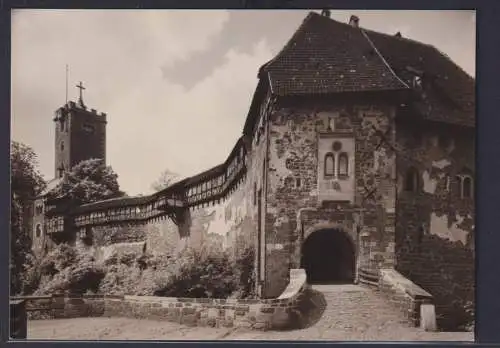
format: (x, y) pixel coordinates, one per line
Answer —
(398, 34)
(354, 21)
(326, 12)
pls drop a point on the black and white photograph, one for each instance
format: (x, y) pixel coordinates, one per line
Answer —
(292, 175)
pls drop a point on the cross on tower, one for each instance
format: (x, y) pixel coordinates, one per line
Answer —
(80, 86)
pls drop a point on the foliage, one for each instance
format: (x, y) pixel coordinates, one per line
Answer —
(166, 179)
(245, 271)
(89, 181)
(203, 273)
(26, 183)
(68, 270)
(206, 272)
(199, 273)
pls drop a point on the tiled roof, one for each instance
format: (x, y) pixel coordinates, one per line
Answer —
(114, 203)
(449, 92)
(325, 56)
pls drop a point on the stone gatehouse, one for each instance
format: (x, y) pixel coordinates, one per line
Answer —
(357, 154)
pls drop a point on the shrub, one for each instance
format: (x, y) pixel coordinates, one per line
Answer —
(67, 270)
(198, 273)
(245, 271)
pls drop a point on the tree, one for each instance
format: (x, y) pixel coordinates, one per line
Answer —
(89, 181)
(26, 184)
(166, 179)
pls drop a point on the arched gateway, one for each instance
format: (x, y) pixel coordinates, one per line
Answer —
(328, 256)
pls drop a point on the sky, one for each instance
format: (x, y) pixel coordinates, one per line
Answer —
(176, 85)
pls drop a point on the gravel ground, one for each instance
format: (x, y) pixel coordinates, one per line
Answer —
(136, 329)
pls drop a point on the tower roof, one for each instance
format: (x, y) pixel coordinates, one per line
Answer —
(325, 56)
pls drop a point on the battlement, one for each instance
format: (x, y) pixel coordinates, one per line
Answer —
(71, 105)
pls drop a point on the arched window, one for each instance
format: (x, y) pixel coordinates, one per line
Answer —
(466, 187)
(329, 164)
(411, 180)
(343, 165)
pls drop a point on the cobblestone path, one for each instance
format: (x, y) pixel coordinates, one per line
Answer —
(350, 312)
(330, 313)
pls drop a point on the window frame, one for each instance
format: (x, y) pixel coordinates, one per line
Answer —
(332, 156)
(415, 180)
(340, 156)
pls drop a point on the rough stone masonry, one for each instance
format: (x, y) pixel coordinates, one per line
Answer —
(357, 154)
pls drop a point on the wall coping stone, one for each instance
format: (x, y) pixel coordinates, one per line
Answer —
(397, 279)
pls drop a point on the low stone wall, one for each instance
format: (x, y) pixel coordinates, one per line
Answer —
(414, 302)
(251, 313)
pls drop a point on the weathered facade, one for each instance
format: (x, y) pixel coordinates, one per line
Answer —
(357, 154)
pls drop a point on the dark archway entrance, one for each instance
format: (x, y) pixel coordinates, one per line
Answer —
(328, 256)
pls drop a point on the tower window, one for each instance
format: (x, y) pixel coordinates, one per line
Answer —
(38, 230)
(62, 145)
(417, 82)
(88, 128)
(343, 165)
(329, 164)
(411, 180)
(61, 171)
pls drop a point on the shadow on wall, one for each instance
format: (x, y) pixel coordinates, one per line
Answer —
(310, 309)
(446, 270)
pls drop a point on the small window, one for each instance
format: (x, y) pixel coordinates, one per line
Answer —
(298, 182)
(88, 128)
(466, 187)
(343, 165)
(417, 81)
(61, 171)
(411, 180)
(62, 145)
(38, 230)
(329, 164)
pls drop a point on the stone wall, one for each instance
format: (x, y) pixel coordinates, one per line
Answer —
(225, 224)
(252, 313)
(435, 224)
(405, 295)
(295, 173)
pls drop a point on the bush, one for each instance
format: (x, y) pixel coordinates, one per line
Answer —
(203, 273)
(244, 265)
(66, 270)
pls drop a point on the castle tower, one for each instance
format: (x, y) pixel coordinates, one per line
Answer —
(80, 135)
